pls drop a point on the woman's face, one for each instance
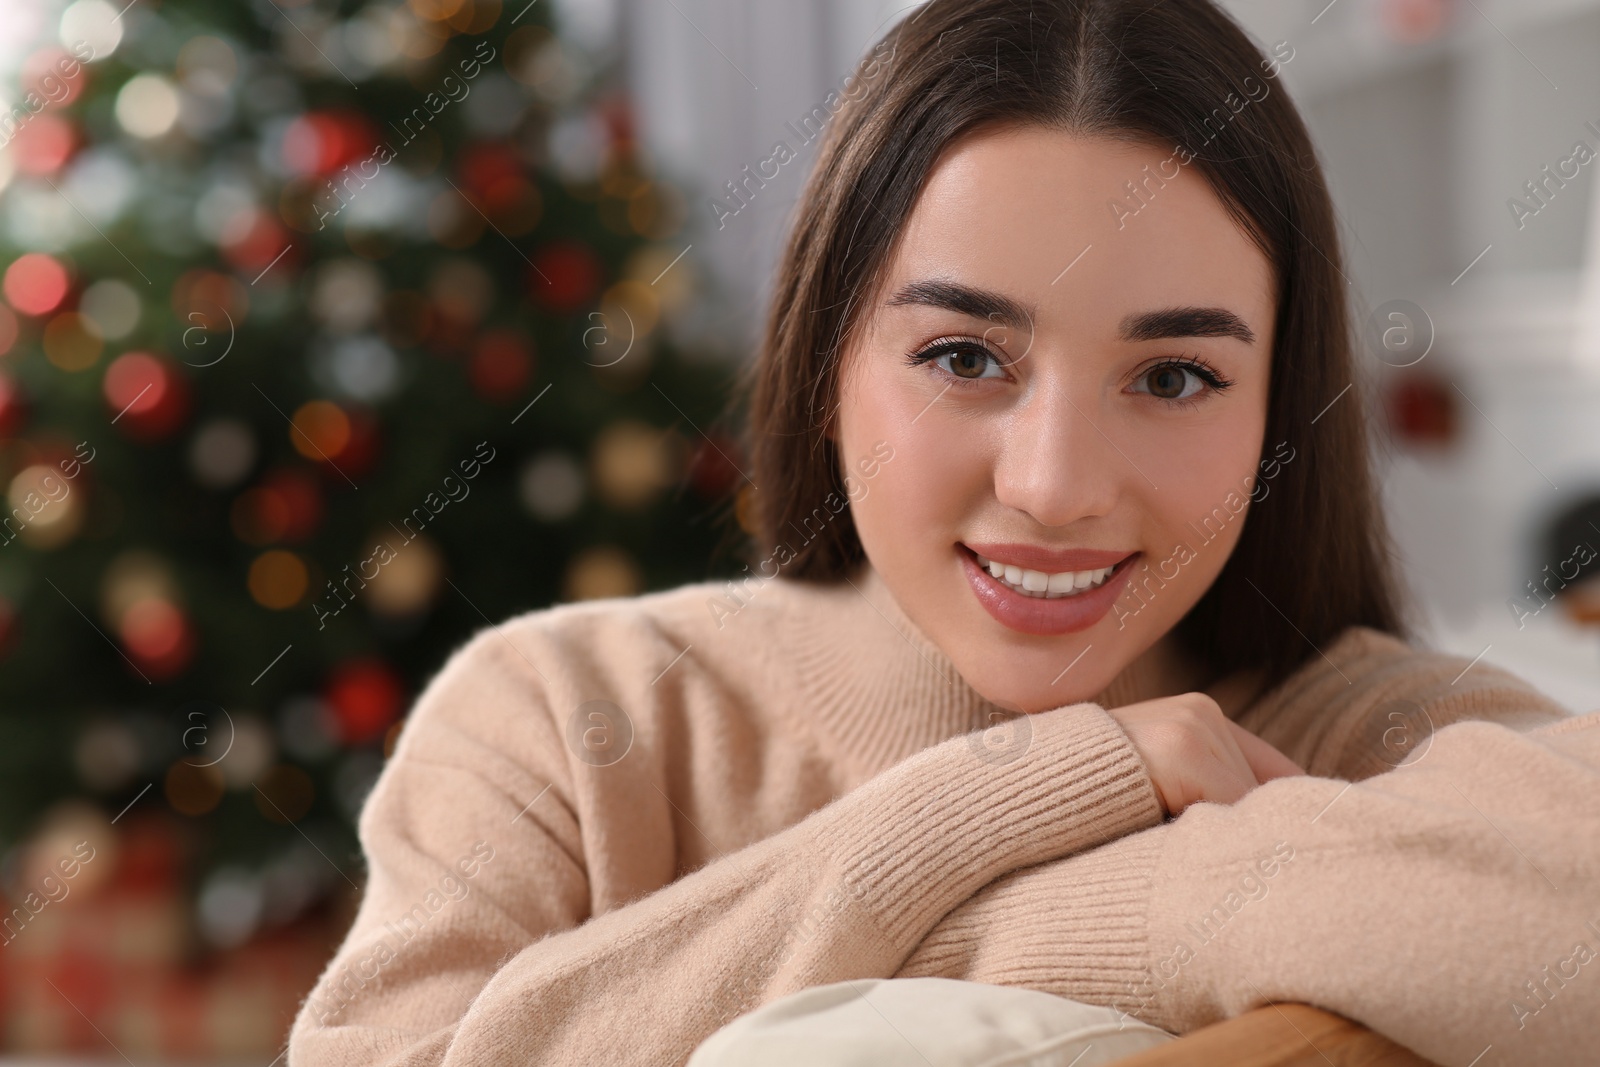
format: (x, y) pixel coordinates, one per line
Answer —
(1071, 378)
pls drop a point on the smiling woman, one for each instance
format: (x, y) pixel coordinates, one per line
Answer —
(958, 751)
(1151, 363)
(1097, 410)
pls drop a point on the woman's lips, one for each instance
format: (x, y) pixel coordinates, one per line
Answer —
(1039, 615)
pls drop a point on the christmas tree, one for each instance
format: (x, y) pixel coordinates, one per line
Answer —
(330, 335)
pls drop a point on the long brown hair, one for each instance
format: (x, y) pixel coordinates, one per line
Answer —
(1313, 557)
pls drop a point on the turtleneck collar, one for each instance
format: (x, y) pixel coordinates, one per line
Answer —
(880, 690)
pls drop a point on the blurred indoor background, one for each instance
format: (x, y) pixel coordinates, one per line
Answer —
(331, 332)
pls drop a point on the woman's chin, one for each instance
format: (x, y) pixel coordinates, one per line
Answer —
(1019, 691)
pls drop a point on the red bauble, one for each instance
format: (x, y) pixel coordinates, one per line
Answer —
(711, 473)
(14, 406)
(150, 856)
(1423, 410)
(260, 245)
(501, 365)
(296, 497)
(361, 451)
(35, 283)
(616, 115)
(320, 143)
(366, 696)
(44, 145)
(147, 394)
(158, 637)
(54, 63)
(1415, 21)
(486, 165)
(565, 277)
(496, 181)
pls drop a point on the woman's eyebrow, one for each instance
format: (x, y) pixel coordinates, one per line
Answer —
(965, 300)
(1186, 322)
(1142, 326)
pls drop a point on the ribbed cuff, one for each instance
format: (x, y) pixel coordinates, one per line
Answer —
(929, 832)
(1076, 927)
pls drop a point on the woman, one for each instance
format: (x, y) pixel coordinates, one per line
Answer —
(1063, 524)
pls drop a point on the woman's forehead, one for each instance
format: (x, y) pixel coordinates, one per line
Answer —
(1079, 228)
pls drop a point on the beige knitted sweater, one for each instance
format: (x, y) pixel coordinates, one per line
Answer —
(610, 827)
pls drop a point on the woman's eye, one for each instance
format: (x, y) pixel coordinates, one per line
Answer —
(1168, 382)
(1177, 381)
(962, 360)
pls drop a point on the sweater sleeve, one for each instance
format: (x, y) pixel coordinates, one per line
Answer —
(474, 943)
(1447, 903)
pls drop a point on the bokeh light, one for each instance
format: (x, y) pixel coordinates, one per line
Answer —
(152, 628)
(222, 453)
(132, 576)
(551, 486)
(565, 276)
(437, 10)
(52, 509)
(157, 636)
(253, 750)
(630, 302)
(602, 571)
(501, 365)
(322, 142)
(254, 240)
(64, 827)
(54, 75)
(112, 307)
(207, 65)
(408, 583)
(72, 341)
(210, 305)
(192, 789)
(286, 506)
(147, 395)
(44, 145)
(461, 289)
(94, 22)
(106, 755)
(229, 907)
(632, 462)
(367, 696)
(278, 579)
(320, 430)
(148, 105)
(35, 284)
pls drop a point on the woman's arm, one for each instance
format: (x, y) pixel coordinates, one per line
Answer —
(505, 964)
(1448, 904)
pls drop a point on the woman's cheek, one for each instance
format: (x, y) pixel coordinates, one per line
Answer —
(916, 501)
(877, 413)
(897, 510)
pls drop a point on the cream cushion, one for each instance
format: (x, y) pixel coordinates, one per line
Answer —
(925, 1022)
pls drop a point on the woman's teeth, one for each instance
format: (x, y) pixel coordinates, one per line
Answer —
(1040, 584)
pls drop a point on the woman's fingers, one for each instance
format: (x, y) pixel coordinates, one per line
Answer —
(1195, 753)
(1265, 761)
(1222, 778)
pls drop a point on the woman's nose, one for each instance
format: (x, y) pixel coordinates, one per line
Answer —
(1055, 460)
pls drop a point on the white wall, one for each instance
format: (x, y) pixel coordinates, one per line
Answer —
(716, 81)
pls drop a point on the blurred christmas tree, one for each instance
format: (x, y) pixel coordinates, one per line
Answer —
(331, 334)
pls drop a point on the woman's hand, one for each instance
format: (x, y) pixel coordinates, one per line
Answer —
(1194, 752)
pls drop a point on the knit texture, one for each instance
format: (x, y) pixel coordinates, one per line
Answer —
(609, 828)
